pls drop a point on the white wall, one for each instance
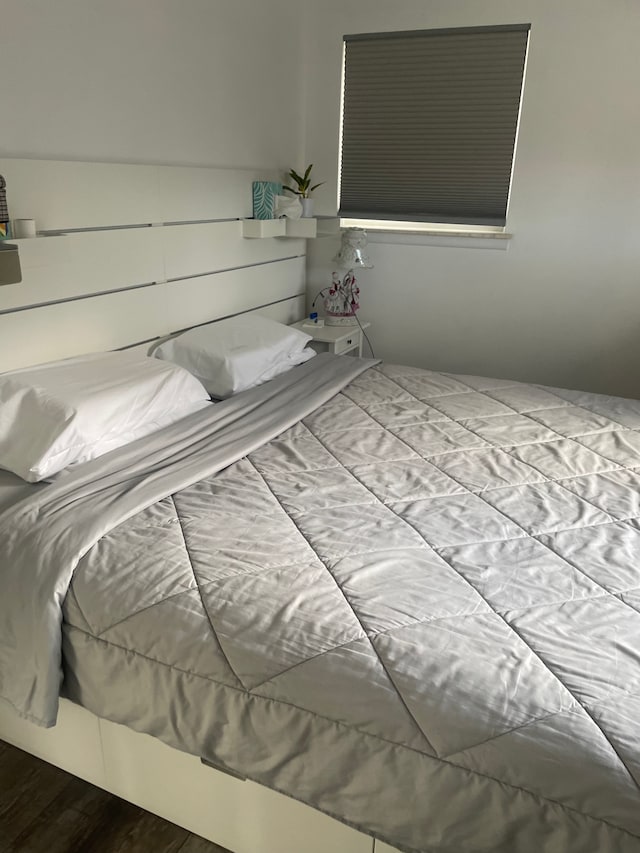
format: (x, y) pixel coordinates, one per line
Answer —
(220, 83)
(562, 305)
(192, 82)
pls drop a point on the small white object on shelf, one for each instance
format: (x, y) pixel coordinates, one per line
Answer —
(24, 228)
(263, 227)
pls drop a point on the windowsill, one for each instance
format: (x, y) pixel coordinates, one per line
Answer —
(432, 234)
(446, 239)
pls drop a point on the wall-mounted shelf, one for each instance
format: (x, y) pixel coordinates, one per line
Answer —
(263, 228)
(306, 228)
(302, 228)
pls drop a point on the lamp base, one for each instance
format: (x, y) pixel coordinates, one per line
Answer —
(340, 320)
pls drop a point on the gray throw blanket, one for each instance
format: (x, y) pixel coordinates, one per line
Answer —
(44, 536)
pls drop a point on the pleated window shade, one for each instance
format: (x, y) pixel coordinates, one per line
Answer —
(429, 124)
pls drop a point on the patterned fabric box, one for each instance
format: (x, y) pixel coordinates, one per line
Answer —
(264, 199)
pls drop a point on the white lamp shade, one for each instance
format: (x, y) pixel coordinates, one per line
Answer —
(352, 253)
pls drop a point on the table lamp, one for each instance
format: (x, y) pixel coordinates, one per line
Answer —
(341, 303)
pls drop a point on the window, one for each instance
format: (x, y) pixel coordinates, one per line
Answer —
(429, 124)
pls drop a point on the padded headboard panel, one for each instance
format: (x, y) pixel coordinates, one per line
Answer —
(127, 253)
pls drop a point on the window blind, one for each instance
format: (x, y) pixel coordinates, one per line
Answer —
(429, 124)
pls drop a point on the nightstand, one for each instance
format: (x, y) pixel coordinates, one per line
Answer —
(338, 340)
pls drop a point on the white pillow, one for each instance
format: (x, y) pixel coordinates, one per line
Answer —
(235, 354)
(71, 411)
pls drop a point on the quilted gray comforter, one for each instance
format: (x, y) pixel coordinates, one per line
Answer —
(417, 609)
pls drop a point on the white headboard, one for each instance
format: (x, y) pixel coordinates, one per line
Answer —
(129, 253)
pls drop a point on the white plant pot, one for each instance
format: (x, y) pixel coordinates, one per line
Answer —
(307, 207)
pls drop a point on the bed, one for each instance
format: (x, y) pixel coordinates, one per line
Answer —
(405, 599)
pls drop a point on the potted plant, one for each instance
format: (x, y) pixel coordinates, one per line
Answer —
(303, 189)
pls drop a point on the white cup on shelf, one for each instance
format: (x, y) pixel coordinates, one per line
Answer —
(23, 228)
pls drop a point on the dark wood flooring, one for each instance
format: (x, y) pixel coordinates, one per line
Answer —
(45, 810)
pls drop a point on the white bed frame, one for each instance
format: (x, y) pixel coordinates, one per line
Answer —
(127, 254)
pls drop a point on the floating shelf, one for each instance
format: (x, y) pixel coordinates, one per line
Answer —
(328, 226)
(305, 228)
(302, 227)
(263, 228)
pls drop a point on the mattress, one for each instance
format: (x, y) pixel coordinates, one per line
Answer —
(415, 607)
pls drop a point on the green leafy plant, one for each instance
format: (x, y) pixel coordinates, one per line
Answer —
(303, 182)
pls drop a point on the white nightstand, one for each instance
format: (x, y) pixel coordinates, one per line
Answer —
(338, 340)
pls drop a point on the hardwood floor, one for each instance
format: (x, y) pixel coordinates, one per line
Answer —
(45, 810)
